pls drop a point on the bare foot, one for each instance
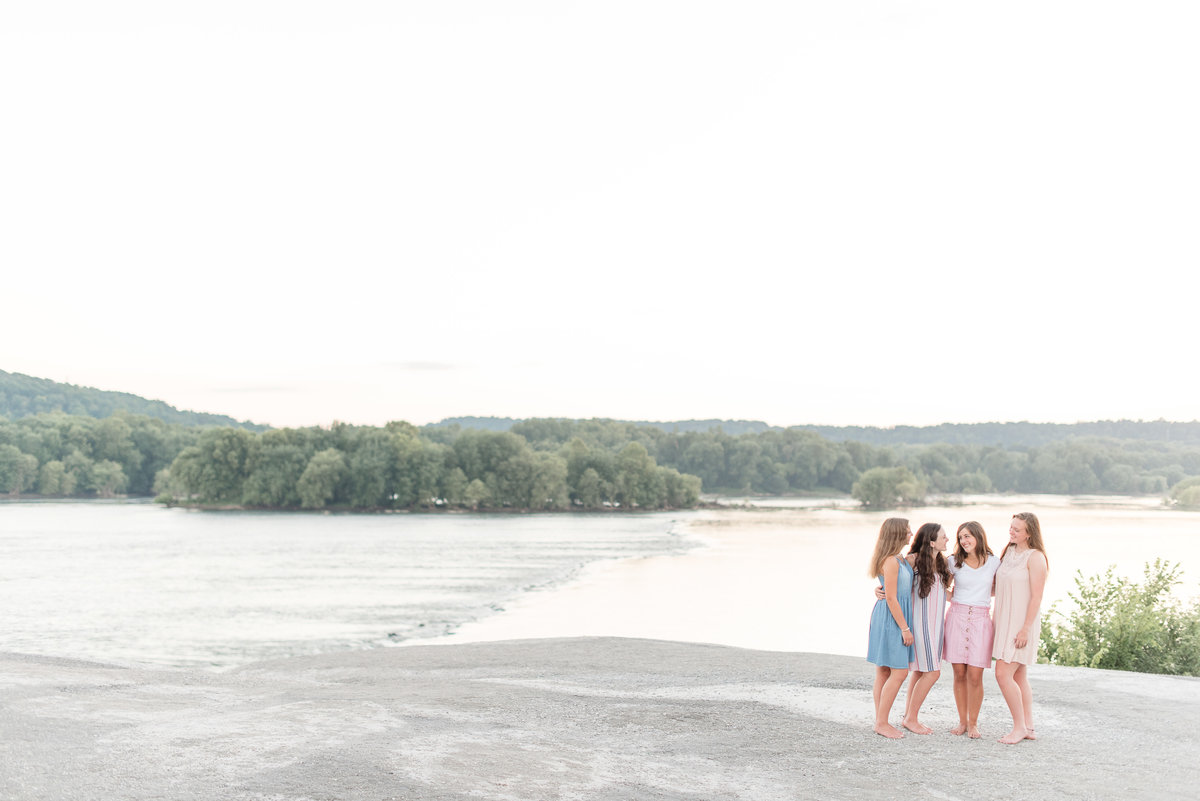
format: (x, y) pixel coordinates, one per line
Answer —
(974, 735)
(915, 726)
(1030, 734)
(959, 729)
(889, 731)
(1013, 737)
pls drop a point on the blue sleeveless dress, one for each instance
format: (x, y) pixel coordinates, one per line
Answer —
(886, 647)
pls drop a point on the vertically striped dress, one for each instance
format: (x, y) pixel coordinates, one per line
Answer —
(927, 622)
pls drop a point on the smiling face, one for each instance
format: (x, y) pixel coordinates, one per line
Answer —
(1018, 533)
(966, 541)
(942, 540)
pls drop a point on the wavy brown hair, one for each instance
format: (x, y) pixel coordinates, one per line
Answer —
(893, 535)
(1035, 534)
(982, 551)
(930, 561)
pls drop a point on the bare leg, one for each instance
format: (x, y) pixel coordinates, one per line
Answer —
(917, 692)
(974, 699)
(1012, 696)
(887, 696)
(1022, 678)
(881, 677)
(960, 697)
(913, 675)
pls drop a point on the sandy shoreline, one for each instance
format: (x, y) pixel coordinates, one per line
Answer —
(589, 718)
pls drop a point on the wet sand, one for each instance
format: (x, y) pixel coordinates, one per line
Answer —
(587, 718)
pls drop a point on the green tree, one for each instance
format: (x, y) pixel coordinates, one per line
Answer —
(214, 469)
(18, 471)
(477, 494)
(79, 468)
(454, 487)
(1120, 478)
(637, 480)
(274, 471)
(704, 456)
(372, 468)
(1187, 492)
(549, 484)
(975, 483)
(107, 478)
(887, 487)
(53, 479)
(318, 484)
(844, 473)
(682, 490)
(112, 440)
(591, 491)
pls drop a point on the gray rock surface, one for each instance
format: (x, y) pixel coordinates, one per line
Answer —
(594, 718)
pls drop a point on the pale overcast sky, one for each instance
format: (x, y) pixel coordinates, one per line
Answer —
(835, 212)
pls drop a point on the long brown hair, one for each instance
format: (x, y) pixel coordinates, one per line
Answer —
(929, 560)
(893, 534)
(982, 551)
(1035, 534)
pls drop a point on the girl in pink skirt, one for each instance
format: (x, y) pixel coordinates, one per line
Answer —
(968, 641)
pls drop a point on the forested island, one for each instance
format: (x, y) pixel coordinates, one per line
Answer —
(544, 465)
(556, 464)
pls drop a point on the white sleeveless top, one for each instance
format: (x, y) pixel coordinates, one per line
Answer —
(973, 586)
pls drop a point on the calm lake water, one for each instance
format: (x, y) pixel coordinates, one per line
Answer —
(137, 583)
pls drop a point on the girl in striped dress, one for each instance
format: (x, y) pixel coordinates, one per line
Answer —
(930, 578)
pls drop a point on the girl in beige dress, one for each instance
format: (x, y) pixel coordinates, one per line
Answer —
(1020, 583)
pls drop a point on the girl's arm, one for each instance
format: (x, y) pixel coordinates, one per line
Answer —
(890, 572)
(879, 591)
(1037, 586)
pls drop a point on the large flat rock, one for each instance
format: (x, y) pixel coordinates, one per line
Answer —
(593, 718)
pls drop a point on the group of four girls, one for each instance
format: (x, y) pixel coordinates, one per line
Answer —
(911, 630)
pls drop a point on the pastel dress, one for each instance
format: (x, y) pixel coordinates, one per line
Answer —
(927, 621)
(1013, 593)
(885, 646)
(969, 618)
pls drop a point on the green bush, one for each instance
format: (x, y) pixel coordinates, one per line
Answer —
(887, 488)
(1187, 492)
(1121, 624)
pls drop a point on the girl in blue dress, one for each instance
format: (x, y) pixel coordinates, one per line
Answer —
(890, 645)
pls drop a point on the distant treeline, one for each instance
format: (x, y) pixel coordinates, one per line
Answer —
(62, 455)
(546, 464)
(25, 396)
(673, 426)
(1016, 435)
(794, 460)
(1004, 435)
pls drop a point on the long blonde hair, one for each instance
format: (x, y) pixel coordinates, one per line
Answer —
(893, 536)
(1034, 528)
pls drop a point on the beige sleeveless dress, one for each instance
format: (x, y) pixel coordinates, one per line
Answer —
(1012, 604)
